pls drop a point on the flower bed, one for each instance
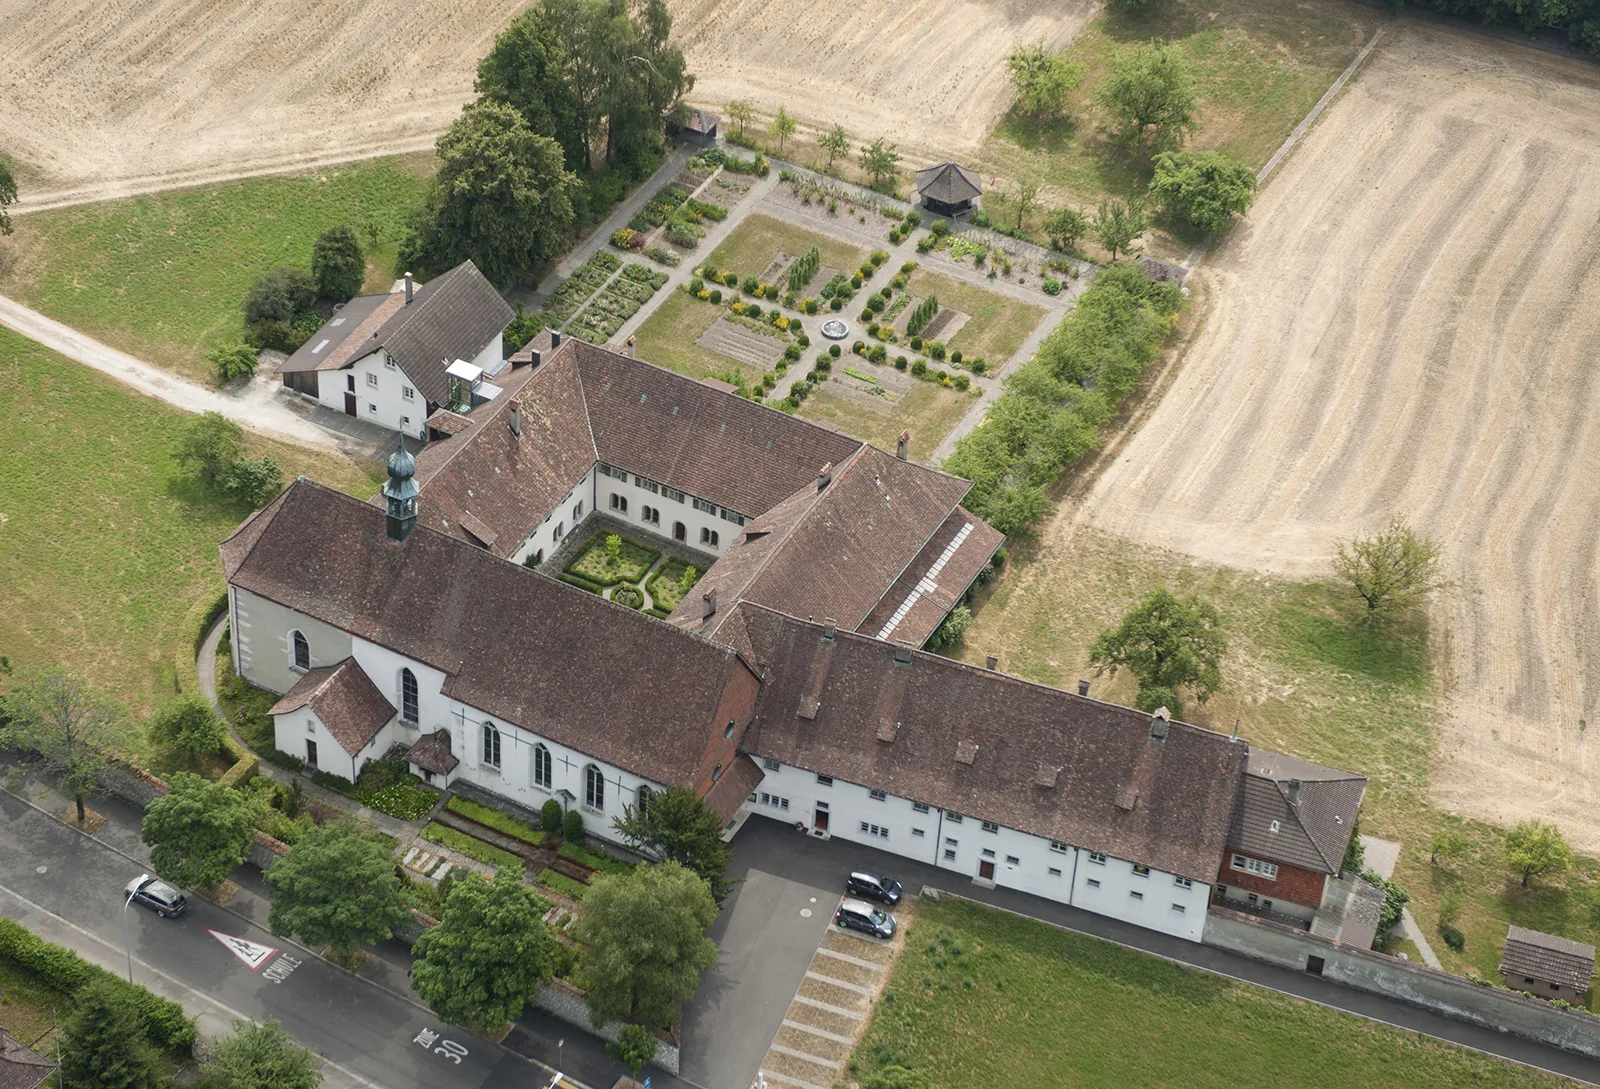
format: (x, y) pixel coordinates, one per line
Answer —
(580, 285)
(486, 853)
(596, 563)
(560, 882)
(667, 588)
(594, 860)
(621, 299)
(630, 597)
(504, 823)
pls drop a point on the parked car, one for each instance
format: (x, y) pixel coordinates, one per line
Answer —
(879, 887)
(862, 916)
(156, 895)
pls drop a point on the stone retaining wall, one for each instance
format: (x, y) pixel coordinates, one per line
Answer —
(566, 1003)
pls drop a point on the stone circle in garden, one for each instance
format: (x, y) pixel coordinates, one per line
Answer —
(834, 329)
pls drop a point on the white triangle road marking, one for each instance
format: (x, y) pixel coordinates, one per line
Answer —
(252, 953)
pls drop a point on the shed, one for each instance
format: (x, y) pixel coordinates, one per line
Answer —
(700, 127)
(1546, 965)
(948, 189)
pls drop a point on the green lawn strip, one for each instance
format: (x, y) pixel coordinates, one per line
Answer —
(667, 338)
(106, 545)
(666, 588)
(980, 997)
(163, 275)
(595, 564)
(755, 242)
(493, 818)
(29, 1007)
(594, 860)
(997, 324)
(560, 882)
(486, 853)
(927, 410)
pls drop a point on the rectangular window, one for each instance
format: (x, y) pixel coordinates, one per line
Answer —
(1013, 860)
(701, 504)
(671, 493)
(1054, 872)
(646, 483)
(991, 826)
(823, 806)
(770, 765)
(918, 807)
(1183, 882)
(387, 362)
(1058, 847)
(949, 855)
(953, 818)
(919, 833)
(987, 853)
(824, 780)
(948, 842)
(1180, 909)
(408, 393)
(1267, 870)
(1093, 882)
(1097, 858)
(730, 516)
(372, 408)
(372, 379)
(877, 795)
(774, 801)
(1140, 871)
(875, 830)
(1136, 896)
(405, 421)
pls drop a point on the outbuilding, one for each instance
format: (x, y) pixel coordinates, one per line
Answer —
(1545, 965)
(948, 189)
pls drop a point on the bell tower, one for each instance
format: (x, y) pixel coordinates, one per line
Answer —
(401, 492)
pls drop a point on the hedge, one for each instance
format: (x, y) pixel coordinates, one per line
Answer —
(1054, 406)
(165, 1023)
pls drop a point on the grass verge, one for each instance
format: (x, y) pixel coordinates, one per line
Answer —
(667, 339)
(755, 242)
(980, 997)
(997, 324)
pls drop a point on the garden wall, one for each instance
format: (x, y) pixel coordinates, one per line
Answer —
(566, 1003)
(131, 784)
(1364, 970)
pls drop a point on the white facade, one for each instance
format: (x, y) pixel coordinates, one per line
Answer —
(985, 853)
(383, 393)
(301, 733)
(658, 508)
(562, 522)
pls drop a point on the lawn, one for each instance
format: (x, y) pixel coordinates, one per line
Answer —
(104, 544)
(927, 410)
(980, 997)
(29, 1011)
(1259, 67)
(998, 324)
(755, 242)
(667, 339)
(596, 563)
(162, 276)
(667, 588)
(1302, 676)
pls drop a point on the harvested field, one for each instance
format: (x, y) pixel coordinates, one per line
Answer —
(116, 96)
(743, 343)
(926, 75)
(1407, 324)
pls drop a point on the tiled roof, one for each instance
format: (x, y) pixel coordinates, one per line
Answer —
(1351, 910)
(513, 643)
(21, 1067)
(432, 753)
(1547, 958)
(701, 121)
(728, 793)
(344, 699)
(343, 335)
(934, 582)
(453, 316)
(237, 545)
(1313, 829)
(948, 182)
(1182, 790)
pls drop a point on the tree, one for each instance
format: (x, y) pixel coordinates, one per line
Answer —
(1446, 845)
(1166, 642)
(103, 1043)
(207, 446)
(645, 936)
(1027, 190)
(68, 723)
(1391, 571)
(740, 111)
(8, 197)
(1150, 94)
(1117, 225)
(199, 831)
(489, 954)
(233, 361)
(502, 198)
(1355, 852)
(338, 886)
(1205, 189)
(782, 127)
(279, 296)
(259, 1056)
(188, 725)
(337, 264)
(1065, 226)
(635, 1046)
(836, 143)
(527, 70)
(1043, 79)
(254, 482)
(880, 160)
(1533, 848)
(677, 827)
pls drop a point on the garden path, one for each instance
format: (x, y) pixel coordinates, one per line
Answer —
(1381, 856)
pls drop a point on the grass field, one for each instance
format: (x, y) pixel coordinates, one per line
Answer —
(162, 276)
(980, 997)
(104, 544)
(755, 242)
(667, 338)
(30, 1011)
(928, 411)
(998, 324)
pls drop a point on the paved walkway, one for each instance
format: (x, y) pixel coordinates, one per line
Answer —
(1381, 856)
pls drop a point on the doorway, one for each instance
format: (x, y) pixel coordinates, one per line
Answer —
(820, 820)
(349, 404)
(311, 753)
(986, 870)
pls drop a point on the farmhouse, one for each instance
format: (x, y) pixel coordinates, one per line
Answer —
(948, 189)
(1545, 965)
(394, 359)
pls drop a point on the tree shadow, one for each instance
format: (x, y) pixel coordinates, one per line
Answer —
(1158, 22)
(1050, 135)
(203, 501)
(1330, 630)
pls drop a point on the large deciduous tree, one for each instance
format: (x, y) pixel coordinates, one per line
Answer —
(207, 446)
(676, 826)
(1168, 643)
(527, 70)
(8, 197)
(489, 954)
(68, 723)
(280, 296)
(103, 1043)
(1151, 95)
(1391, 571)
(1205, 189)
(338, 886)
(337, 264)
(1043, 79)
(646, 946)
(259, 1056)
(1533, 848)
(200, 831)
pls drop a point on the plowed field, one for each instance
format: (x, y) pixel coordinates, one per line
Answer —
(120, 95)
(1409, 323)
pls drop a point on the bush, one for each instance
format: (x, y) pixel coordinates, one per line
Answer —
(835, 303)
(748, 285)
(233, 361)
(550, 817)
(955, 356)
(791, 352)
(940, 228)
(1453, 937)
(833, 350)
(824, 364)
(716, 295)
(798, 390)
(899, 362)
(877, 353)
(696, 285)
(978, 365)
(572, 827)
(919, 368)
(962, 383)
(279, 296)
(878, 257)
(1052, 286)
(855, 281)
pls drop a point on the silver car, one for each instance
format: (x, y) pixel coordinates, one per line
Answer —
(156, 895)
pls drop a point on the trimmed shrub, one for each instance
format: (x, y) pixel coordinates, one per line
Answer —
(836, 303)
(936, 350)
(834, 350)
(810, 306)
(754, 310)
(962, 382)
(802, 340)
(858, 346)
(919, 368)
(955, 356)
(572, 827)
(899, 362)
(878, 257)
(916, 344)
(855, 281)
(716, 295)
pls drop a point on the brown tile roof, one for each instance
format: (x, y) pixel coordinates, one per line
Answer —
(1313, 830)
(728, 793)
(451, 423)
(432, 753)
(513, 643)
(1350, 913)
(933, 583)
(237, 545)
(1547, 958)
(343, 335)
(1182, 790)
(21, 1067)
(453, 316)
(344, 699)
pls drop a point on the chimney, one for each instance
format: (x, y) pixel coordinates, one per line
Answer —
(902, 446)
(1294, 792)
(830, 631)
(1158, 724)
(409, 285)
(902, 655)
(555, 339)
(991, 662)
(1083, 688)
(533, 356)
(710, 599)
(824, 476)
(515, 419)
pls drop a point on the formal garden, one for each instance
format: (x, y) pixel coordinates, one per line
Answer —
(631, 574)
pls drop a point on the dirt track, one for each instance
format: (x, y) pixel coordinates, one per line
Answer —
(1409, 323)
(130, 94)
(923, 74)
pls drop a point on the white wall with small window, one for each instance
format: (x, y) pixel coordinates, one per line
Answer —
(264, 644)
(569, 514)
(658, 508)
(302, 734)
(384, 394)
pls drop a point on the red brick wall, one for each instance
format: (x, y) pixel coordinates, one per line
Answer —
(737, 706)
(1296, 885)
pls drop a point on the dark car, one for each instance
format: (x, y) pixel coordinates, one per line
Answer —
(156, 895)
(879, 887)
(862, 916)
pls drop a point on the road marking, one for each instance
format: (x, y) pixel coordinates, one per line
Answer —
(789, 1079)
(838, 982)
(834, 1036)
(840, 1010)
(847, 958)
(252, 953)
(805, 1056)
(280, 969)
